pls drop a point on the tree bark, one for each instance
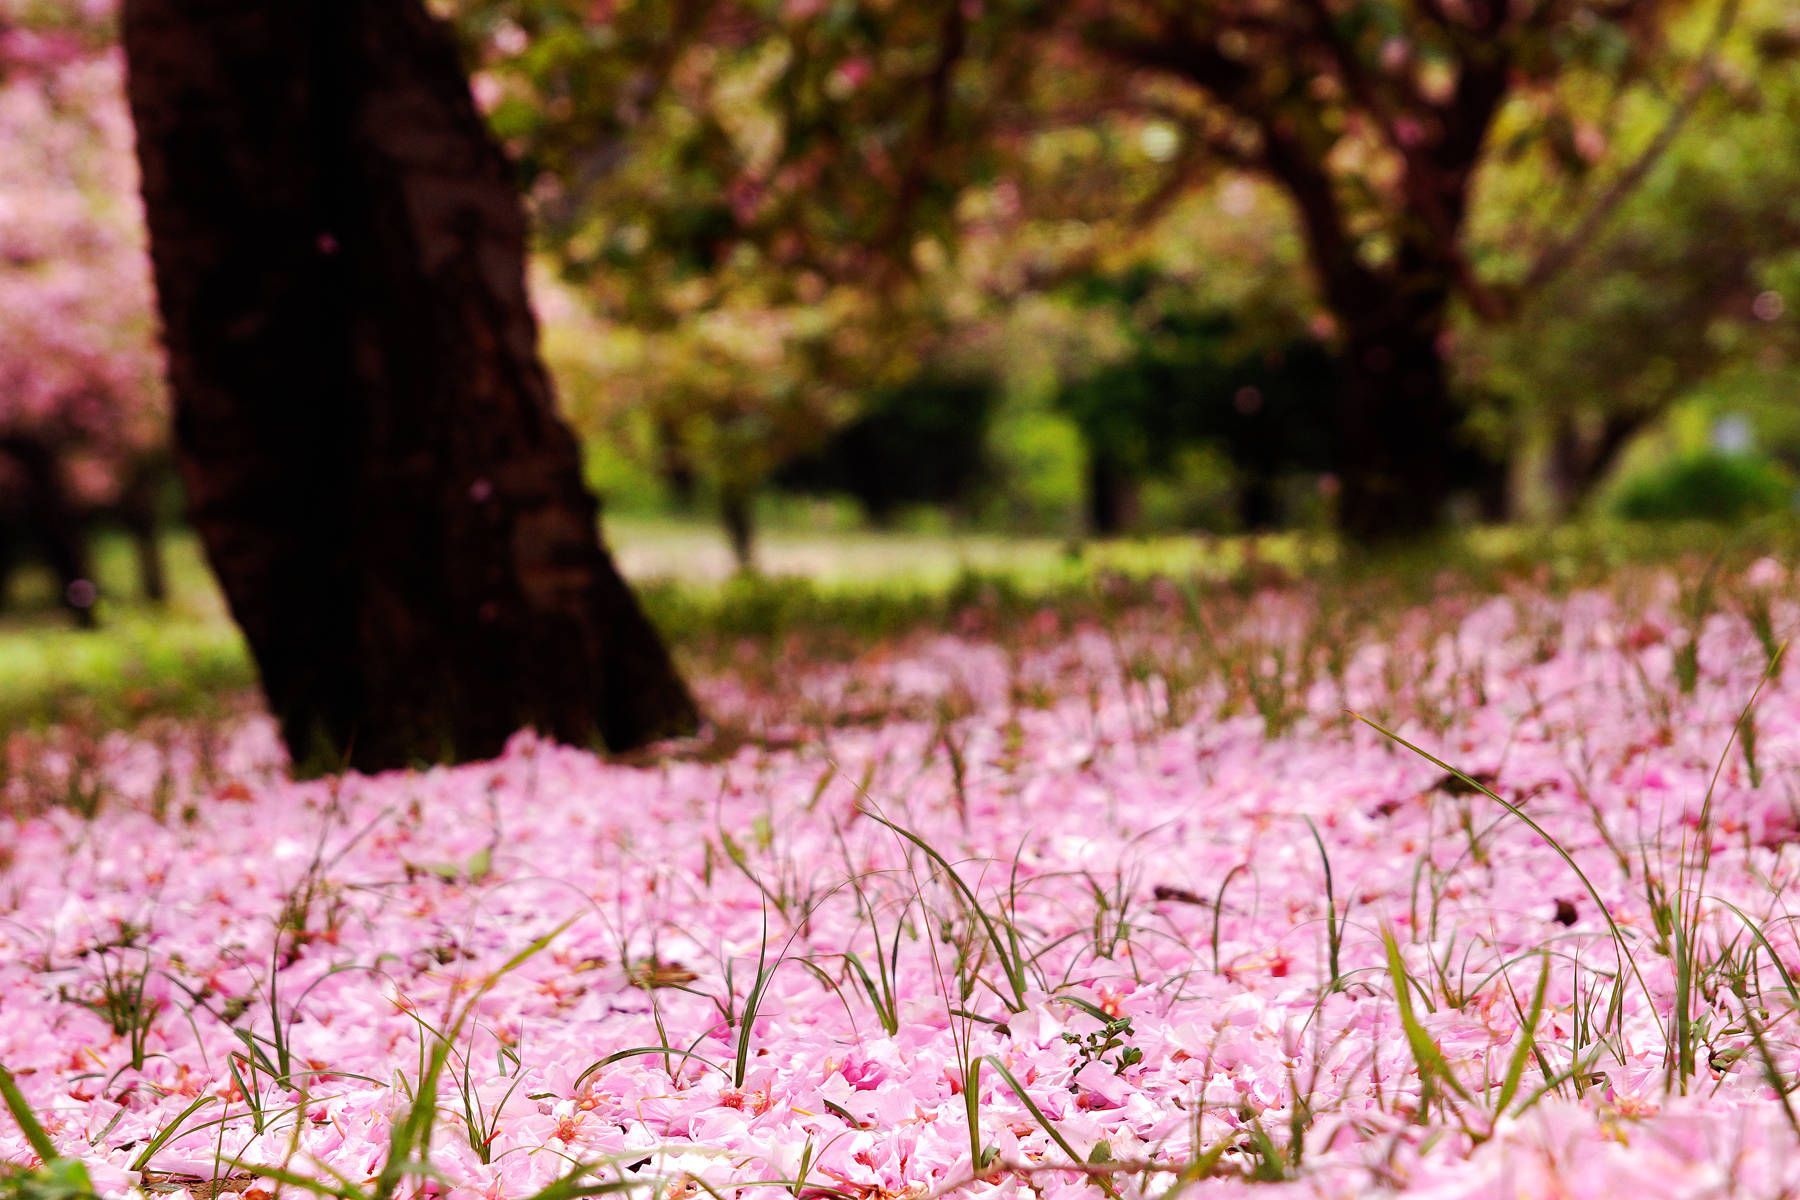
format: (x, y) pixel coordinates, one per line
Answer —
(674, 464)
(1398, 424)
(368, 439)
(1398, 428)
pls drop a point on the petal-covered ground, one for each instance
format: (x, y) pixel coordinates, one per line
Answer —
(1141, 893)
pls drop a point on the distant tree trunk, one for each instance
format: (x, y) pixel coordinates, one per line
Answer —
(1399, 424)
(1565, 466)
(1581, 458)
(1493, 485)
(674, 464)
(880, 510)
(137, 513)
(737, 511)
(368, 439)
(1112, 495)
(153, 581)
(1258, 510)
(1399, 428)
(46, 513)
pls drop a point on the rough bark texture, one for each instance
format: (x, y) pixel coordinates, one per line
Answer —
(368, 439)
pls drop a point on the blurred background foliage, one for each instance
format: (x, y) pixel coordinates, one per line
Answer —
(1049, 288)
(1060, 269)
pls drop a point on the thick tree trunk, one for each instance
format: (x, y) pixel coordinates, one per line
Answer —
(367, 437)
(1398, 423)
(1398, 427)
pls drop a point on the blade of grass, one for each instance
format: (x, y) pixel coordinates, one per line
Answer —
(16, 1104)
(1618, 935)
(1013, 965)
(1048, 1126)
(1515, 1069)
(1427, 1056)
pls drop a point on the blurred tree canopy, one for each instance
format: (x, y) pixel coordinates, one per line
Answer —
(1492, 230)
(1692, 287)
(838, 183)
(83, 413)
(922, 442)
(1196, 377)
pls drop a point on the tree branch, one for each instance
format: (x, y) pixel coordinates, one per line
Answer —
(952, 45)
(1418, 175)
(1181, 176)
(1177, 51)
(1562, 254)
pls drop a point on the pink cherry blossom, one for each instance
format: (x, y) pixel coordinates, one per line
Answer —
(1135, 831)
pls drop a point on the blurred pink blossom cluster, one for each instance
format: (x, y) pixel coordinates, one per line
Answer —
(46, 35)
(784, 966)
(80, 369)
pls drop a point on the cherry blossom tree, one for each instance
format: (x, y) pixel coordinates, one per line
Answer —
(82, 408)
(672, 141)
(369, 442)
